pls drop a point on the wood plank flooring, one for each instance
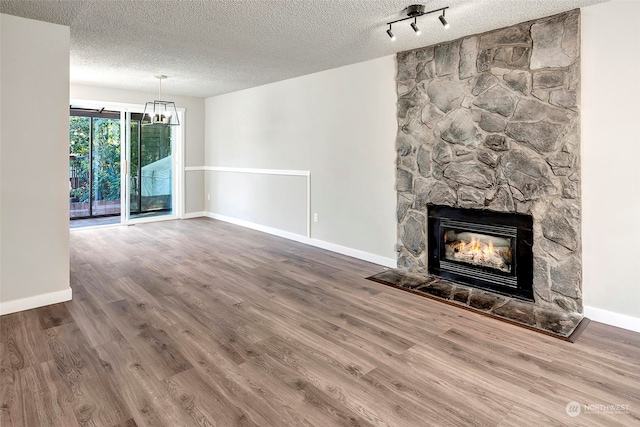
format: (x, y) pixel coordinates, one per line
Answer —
(202, 323)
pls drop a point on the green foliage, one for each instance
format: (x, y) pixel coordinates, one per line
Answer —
(106, 157)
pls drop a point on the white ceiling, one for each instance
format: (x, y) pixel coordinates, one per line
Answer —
(210, 47)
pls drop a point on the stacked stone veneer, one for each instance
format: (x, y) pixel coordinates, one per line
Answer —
(491, 121)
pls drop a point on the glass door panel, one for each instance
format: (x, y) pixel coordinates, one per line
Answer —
(79, 166)
(151, 181)
(94, 166)
(134, 185)
(106, 166)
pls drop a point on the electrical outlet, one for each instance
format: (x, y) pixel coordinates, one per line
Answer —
(315, 217)
(208, 196)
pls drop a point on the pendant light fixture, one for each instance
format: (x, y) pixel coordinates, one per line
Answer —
(160, 113)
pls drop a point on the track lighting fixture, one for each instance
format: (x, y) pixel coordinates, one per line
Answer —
(444, 22)
(391, 36)
(414, 25)
(413, 12)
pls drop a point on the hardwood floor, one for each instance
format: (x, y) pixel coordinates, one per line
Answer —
(202, 323)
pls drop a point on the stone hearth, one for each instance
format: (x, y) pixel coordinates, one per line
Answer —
(550, 319)
(492, 121)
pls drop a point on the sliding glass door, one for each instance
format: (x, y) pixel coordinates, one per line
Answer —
(120, 170)
(151, 169)
(94, 163)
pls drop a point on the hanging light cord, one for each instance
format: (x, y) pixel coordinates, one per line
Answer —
(160, 77)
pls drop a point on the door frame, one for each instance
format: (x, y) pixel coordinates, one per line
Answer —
(91, 115)
(177, 152)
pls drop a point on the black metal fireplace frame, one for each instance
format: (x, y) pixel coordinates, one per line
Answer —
(518, 227)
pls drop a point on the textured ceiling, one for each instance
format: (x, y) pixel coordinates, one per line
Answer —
(218, 46)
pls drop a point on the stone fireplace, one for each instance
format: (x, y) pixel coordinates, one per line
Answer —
(490, 122)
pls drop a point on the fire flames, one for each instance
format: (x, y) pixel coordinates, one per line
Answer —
(481, 253)
(475, 248)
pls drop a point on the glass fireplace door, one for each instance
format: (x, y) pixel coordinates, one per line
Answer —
(478, 249)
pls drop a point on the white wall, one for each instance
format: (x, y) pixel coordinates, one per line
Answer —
(259, 199)
(34, 170)
(193, 127)
(338, 124)
(611, 162)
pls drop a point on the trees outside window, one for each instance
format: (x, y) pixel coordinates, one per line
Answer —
(94, 155)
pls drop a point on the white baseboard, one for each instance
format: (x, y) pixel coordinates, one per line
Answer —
(8, 307)
(258, 227)
(355, 253)
(614, 319)
(194, 215)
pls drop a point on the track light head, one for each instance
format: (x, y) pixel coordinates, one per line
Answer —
(442, 19)
(391, 36)
(414, 25)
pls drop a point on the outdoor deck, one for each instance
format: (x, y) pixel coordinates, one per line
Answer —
(100, 207)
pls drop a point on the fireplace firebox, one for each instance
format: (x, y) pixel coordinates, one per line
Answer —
(481, 248)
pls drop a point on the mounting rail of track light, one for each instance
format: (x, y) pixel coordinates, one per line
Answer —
(413, 12)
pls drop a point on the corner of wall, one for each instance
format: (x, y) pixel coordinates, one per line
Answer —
(36, 301)
(34, 257)
(609, 162)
